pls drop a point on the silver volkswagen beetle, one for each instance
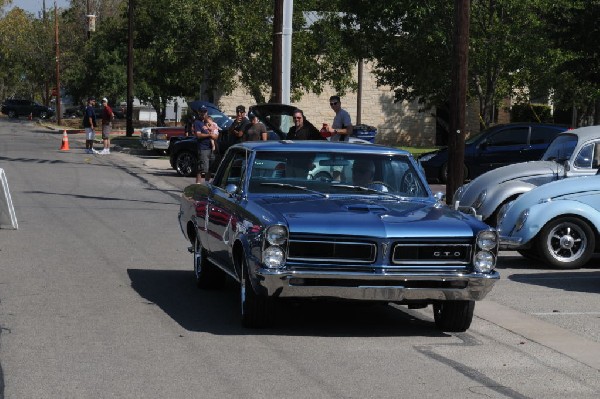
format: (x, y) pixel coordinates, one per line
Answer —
(572, 153)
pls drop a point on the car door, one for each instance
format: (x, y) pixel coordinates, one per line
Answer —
(503, 147)
(224, 207)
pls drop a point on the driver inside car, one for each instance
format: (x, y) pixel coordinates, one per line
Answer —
(363, 172)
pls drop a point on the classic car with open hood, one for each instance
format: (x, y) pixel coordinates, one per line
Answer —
(367, 230)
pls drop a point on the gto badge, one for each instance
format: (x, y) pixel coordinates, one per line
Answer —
(447, 254)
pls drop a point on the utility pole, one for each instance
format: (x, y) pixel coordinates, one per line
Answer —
(58, 106)
(129, 127)
(276, 69)
(458, 99)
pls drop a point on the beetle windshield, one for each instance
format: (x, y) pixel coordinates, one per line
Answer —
(335, 173)
(561, 148)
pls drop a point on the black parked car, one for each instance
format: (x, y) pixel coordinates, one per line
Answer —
(15, 108)
(497, 146)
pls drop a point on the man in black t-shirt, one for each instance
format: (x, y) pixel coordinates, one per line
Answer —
(238, 127)
(302, 130)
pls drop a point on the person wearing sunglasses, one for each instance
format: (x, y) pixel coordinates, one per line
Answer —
(341, 128)
(301, 129)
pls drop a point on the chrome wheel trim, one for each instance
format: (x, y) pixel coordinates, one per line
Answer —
(197, 259)
(566, 242)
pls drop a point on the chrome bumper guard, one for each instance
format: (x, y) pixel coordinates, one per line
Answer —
(377, 287)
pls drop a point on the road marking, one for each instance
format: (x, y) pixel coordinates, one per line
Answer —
(570, 344)
(564, 313)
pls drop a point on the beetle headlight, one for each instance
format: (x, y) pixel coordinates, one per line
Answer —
(487, 240)
(521, 220)
(273, 257)
(480, 199)
(484, 261)
(276, 235)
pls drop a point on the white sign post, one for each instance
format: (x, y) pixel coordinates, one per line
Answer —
(8, 218)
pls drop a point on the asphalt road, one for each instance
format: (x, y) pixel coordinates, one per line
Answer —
(97, 300)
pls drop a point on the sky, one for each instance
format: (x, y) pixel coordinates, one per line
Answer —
(35, 6)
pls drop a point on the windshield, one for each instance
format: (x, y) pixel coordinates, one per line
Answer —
(335, 173)
(561, 148)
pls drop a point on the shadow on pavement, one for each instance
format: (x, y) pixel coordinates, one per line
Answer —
(565, 280)
(218, 311)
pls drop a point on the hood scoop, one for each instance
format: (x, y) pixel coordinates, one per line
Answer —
(366, 208)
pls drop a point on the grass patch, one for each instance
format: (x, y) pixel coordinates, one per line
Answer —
(416, 151)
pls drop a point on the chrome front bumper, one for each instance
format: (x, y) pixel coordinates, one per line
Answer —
(377, 287)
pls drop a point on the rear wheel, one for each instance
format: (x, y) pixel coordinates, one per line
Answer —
(453, 316)
(208, 276)
(12, 114)
(186, 164)
(566, 243)
(258, 311)
(43, 115)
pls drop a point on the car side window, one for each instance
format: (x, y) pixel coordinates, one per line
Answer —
(511, 136)
(542, 135)
(585, 157)
(233, 170)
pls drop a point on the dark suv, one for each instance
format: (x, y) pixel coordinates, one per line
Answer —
(15, 108)
(497, 146)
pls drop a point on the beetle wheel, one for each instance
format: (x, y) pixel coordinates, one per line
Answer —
(566, 243)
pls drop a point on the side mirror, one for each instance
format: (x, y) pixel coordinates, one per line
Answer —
(440, 197)
(231, 189)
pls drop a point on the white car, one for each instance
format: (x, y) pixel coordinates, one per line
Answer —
(572, 153)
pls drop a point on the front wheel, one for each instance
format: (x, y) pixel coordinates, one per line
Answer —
(258, 311)
(12, 114)
(208, 276)
(566, 243)
(186, 164)
(453, 316)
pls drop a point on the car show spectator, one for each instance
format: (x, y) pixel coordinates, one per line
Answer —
(302, 131)
(341, 127)
(205, 137)
(107, 117)
(257, 130)
(238, 128)
(89, 124)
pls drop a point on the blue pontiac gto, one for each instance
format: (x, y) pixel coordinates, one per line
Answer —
(316, 219)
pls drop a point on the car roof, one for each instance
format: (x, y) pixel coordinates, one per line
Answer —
(319, 145)
(584, 133)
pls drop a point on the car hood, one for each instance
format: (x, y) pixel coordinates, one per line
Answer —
(525, 171)
(362, 217)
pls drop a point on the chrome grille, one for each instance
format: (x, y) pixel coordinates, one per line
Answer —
(431, 254)
(331, 251)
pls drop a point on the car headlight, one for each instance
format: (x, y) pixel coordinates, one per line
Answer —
(487, 240)
(273, 257)
(484, 261)
(480, 199)
(521, 219)
(277, 235)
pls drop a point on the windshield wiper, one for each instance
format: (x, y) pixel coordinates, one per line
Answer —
(369, 190)
(295, 188)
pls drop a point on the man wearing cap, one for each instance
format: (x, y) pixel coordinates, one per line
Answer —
(89, 123)
(204, 136)
(238, 127)
(107, 118)
(256, 131)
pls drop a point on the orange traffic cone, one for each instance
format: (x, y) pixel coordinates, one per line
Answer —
(65, 142)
